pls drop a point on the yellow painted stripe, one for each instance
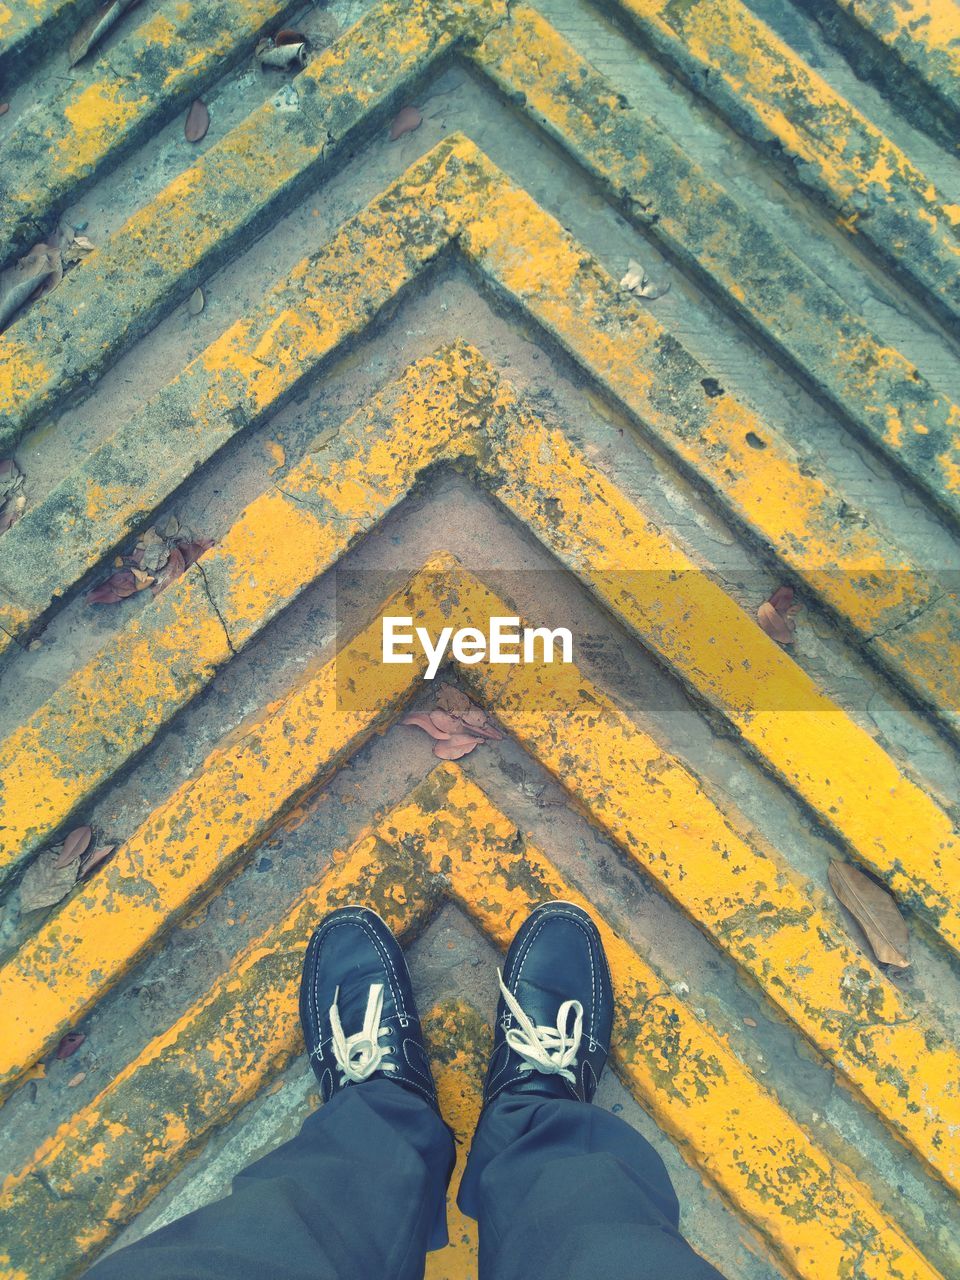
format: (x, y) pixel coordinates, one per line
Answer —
(192, 842)
(743, 896)
(445, 409)
(111, 708)
(870, 585)
(77, 134)
(766, 89)
(239, 183)
(925, 34)
(111, 1158)
(816, 1216)
(237, 382)
(653, 181)
(459, 1041)
(645, 799)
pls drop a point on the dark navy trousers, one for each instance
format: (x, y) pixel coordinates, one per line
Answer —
(559, 1188)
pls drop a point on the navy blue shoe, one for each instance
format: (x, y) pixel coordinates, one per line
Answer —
(359, 1017)
(555, 1013)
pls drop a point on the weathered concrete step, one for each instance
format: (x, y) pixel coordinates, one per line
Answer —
(757, 277)
(750, 904)
(446, 839)
(901, 615)
(766, 91)
(72, 137)
(29, 29)
(911, 48)
(447, 408)
(239, 185)
(872, 386)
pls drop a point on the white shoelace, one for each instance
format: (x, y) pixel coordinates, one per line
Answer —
(360, 1055)
(552, 1050)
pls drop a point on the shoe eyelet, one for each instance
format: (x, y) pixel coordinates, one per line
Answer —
(404, 1022)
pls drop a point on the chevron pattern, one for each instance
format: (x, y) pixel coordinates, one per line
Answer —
(245, 667)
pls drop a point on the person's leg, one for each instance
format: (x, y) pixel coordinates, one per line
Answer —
(576, 1188)
(361, 1190)
(551, 1179)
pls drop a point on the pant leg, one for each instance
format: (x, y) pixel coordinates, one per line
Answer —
(361, 1191)
(575, 1188)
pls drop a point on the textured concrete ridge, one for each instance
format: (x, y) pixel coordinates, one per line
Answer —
(419, 384)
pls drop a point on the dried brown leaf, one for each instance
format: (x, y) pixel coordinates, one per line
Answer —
(4, 108)
(74, 846)
(11, 511)
(197, 122)
(452, 699)
(288, 36)
(637, 281)
(775, 624)
(875, 911)
(118, 586)
(168, 527)
(77, 1079)
(420, 720)
(453, 748)
(782, 599)
(193, 550)
(69, 1045)
(151, 551)
(283, 54)
(19, 283)
(170, 572)
(405, 121)
(94, 858)
(475, 719)
(45, 883)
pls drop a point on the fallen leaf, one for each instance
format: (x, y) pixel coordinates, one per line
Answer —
(197, 302)
(775, 624)
(96, 27)
(445, 722)
(151, 551)
(168, 527)
(749, 1022)
(420, 720)
(118, 586)
(4, 108)
(776, 615)
(69, 1045)
(74, 846)
(875, 911)
(94, 858)
(19, 283)
(453, 748)
(77, 1079)
(454, 700)
(283, 54)
(44, 882)
(11, 511)
(172, 570)
(197, 122)
(83, 243)
(193, 550)
(637, 281)
(405, 121)
(476, 721)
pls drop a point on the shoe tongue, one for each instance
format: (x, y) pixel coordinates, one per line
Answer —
(538, 1082)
